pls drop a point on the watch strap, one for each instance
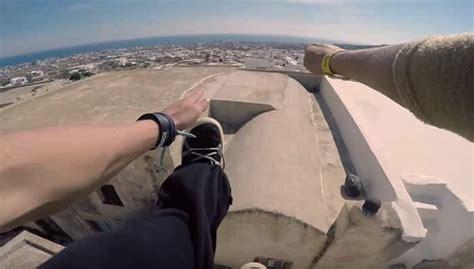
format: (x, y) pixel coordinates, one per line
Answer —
(167, 127)
(326, 65)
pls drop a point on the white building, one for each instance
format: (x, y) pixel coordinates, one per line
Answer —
(289, 60)
(18, 81)
(38, 73)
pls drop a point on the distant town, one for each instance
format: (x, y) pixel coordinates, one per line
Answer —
(272, 56)
(252, 55)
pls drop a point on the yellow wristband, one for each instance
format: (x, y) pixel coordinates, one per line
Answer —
(326, 63)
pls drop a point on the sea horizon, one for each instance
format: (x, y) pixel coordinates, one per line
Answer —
(154, 41)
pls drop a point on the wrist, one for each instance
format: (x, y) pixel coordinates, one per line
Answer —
(342, 63)
(150, 131)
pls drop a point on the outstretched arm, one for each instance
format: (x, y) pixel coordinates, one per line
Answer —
(43, 170)
(373, 67)
(432, 78)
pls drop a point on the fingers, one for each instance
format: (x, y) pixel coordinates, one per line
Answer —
(334, 47)
(315, 46)
(199, 96)
(195, 96)
(203, 105)
(312, 62)
(314, 53)
(323, 47)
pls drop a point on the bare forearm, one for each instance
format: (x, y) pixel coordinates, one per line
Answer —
(41, 167)
(42, 171)
(372, 67)
(431, 78)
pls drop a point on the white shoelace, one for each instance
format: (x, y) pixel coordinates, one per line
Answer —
(181, 133)
(208, 156)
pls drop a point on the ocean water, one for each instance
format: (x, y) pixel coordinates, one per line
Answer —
(148, 42)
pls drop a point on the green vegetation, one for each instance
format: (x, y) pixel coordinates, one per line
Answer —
(75, 76)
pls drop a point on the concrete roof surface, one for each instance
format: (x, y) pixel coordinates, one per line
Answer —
(283, 160)
(411, 146)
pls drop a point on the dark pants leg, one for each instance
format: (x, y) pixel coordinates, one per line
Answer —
(180, 232)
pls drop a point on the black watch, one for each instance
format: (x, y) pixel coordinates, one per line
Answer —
(168, 130)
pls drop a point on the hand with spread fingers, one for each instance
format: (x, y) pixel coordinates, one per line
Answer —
(187, 110)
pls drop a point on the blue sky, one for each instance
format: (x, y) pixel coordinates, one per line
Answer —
(29, 25)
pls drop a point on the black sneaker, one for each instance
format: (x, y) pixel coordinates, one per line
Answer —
(208, 144)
